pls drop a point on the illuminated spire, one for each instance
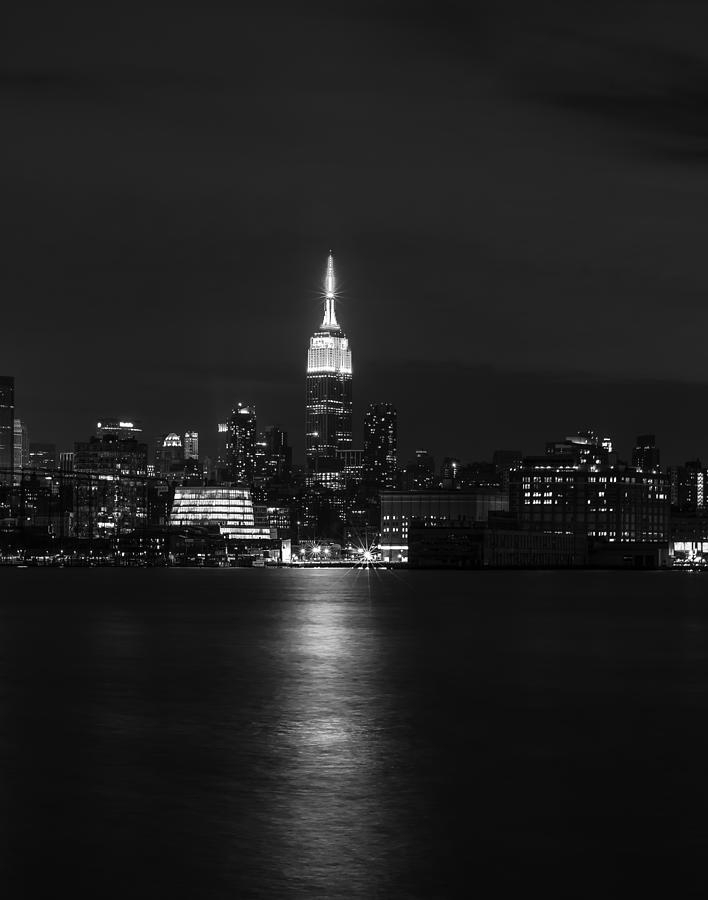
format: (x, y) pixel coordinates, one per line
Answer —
(330, 317)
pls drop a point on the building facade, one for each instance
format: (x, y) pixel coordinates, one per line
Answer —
(328, 394)
(191, 445)
(612, 504)
(229, 508)
(21, 448)
(400, 508)
(380, 447)
(42, 457)
(241, 448)
(646, 454)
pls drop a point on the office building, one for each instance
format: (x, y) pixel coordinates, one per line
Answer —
(169, 455)
(241, 448)
(609, 504)
(688, 486)
(42, 457)
(380, 447)
(110, 455)
(191, 445)
(419, 473)
(352, 467)
(646, 455)
(7, 428)
(278, 455)
(328, 394)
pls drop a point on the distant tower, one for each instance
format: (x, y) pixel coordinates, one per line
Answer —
(21, 454)
(329, 393)
(646, 454)
(7, 428)
(191, 445)
(242, 444)
(380, 446)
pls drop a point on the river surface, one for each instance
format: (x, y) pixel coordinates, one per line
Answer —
(328, 733)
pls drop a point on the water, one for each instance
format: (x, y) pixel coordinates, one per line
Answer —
(323, 733)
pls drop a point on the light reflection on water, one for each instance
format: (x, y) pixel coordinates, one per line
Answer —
(358, 733)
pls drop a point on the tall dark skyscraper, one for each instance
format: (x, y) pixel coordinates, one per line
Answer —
(242, 444)
(646, 454)
(329, 394)
(380, 446)
(279, 454)
(7, 427)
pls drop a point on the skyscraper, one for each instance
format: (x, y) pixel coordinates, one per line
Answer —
(242, 444)
(279, 454)
(191, 445)
(7, 427)
(646, 454)
(380, 446)
(21, 451)
(329, 393)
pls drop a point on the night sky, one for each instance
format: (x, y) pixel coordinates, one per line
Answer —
(516, 194)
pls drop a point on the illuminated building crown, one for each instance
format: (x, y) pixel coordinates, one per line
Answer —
(329, 349)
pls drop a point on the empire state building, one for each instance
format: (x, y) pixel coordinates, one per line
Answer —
(329, 393)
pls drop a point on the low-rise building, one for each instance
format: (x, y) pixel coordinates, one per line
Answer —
(399, 508)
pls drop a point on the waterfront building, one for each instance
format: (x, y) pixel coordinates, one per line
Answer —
(469, 545)
(241, 446)
(7, 428)
(229, 508)
(328, 394)
(608, 504)
(399, 508)
(280, 518)
(380, 447)
(191, 445)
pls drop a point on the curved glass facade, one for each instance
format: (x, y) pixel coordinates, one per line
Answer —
(229, 508)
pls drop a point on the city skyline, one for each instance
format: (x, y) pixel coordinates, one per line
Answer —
(517, 200)
(503, 433)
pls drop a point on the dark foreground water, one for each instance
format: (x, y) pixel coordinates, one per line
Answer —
(249, 733)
